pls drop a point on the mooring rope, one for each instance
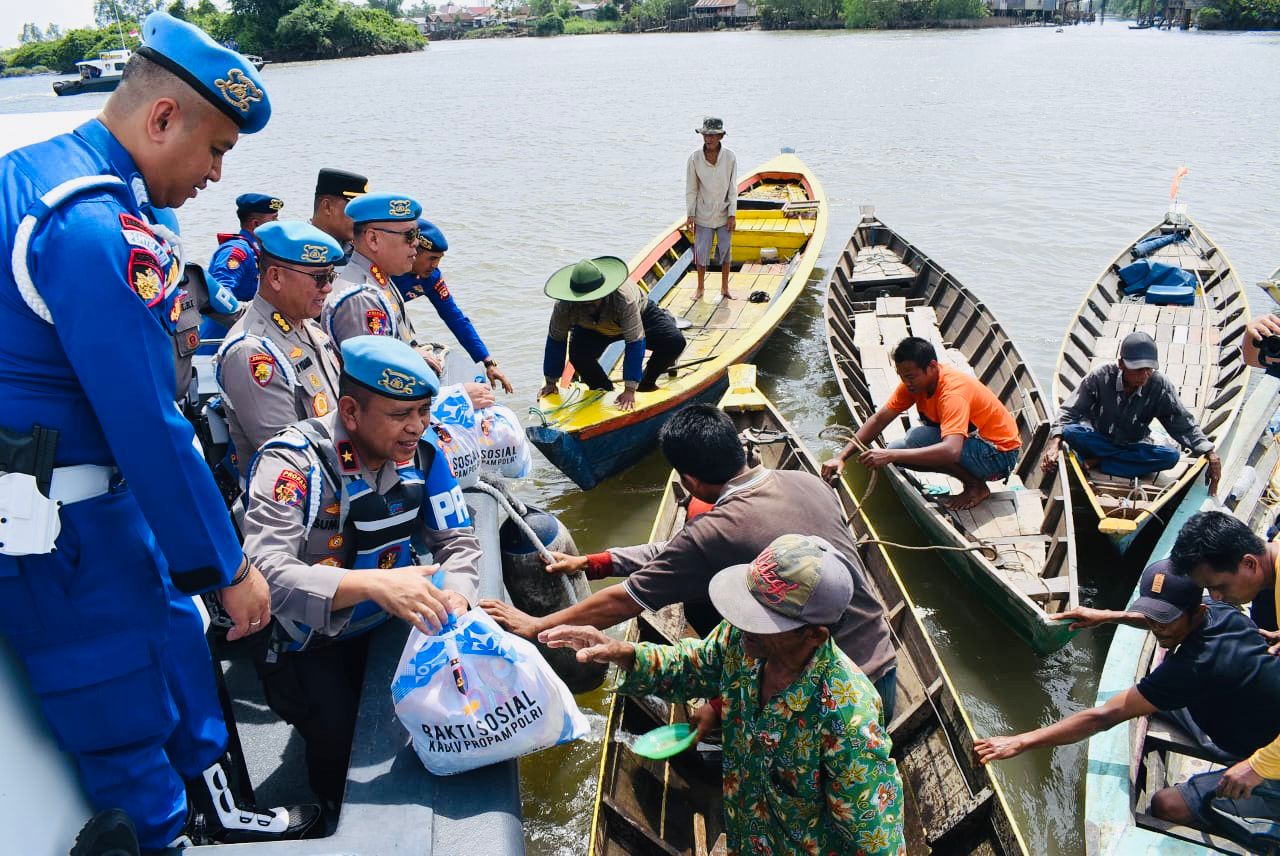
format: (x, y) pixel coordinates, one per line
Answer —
(516, 510)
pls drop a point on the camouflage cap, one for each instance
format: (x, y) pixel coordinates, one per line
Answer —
(796, 580)
(711, 125)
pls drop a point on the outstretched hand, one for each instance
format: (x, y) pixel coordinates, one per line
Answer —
(1082, 617)
(593, 645)
(565, 564)
(991, 749)
(511, 619)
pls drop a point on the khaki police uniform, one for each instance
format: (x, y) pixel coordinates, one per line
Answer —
(188, 311)
(365, 301)
(274, 372)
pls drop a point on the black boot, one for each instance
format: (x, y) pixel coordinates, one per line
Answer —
(108, 833)
(214, 816)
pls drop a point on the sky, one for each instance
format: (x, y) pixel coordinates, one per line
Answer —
(65, 13)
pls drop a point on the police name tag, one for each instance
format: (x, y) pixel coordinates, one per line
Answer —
(29, 523)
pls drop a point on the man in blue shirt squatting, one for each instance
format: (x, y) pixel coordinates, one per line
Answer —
(425, 279)
(334, 503)
(107, 532)
(235, 262)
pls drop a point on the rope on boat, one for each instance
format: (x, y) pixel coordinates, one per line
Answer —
(570, 402)
(847, 435)
(516, 510)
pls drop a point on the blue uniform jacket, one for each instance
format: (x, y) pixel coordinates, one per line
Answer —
(433, 287)
(235, 264)
(103, 373)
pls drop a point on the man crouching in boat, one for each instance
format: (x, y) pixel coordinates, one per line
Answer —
(1217, 682)
(967, 433)
(739, 511)
(807, 766)
(1107, 420)
(595, 307)
(333, 505)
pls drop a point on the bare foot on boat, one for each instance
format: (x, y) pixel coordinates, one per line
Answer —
(697, 295)
(968, 498)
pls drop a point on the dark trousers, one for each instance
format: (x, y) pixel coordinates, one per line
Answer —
(661, 336)
(1137, 459)
(318, 693)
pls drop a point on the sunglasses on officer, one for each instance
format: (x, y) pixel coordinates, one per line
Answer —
(410, 235)
(323, 278)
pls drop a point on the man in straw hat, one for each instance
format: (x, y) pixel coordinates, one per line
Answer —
(798, 715)
(711, 199)
(596, 305)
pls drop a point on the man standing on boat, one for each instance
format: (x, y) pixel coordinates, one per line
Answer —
(334, 507)
(711, 200)
(334, 189)
(743, 509)
(277, 366)
(596, 305)
(1107, 420)
(1217, 682)
(966, 432)
(807, 766)
(100, 610)
(426, 280)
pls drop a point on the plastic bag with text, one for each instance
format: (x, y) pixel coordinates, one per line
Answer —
(500, 438)
(453, 426)
(474, 695)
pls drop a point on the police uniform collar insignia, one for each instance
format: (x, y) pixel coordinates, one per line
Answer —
(347, 457)
(238, 90)
(139, 188)
(377, 274)
(396, 382)
(282, 322)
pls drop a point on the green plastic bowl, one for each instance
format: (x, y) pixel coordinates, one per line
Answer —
(661, 743)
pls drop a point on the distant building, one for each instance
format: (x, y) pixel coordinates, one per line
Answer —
(729, 11)
(586, 11)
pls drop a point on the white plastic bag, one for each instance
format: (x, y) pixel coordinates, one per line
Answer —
(453, 421)
(475, 695)
(500, 438)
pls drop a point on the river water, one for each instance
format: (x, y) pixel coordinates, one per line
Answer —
(1022, 160)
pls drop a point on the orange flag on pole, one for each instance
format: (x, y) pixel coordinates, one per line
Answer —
(1177, 182)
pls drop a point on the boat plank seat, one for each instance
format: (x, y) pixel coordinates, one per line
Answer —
(1161, 732)
(878, 266)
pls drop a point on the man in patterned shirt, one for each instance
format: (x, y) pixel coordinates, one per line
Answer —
(806, 762)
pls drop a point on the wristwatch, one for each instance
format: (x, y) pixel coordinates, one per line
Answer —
(489, 363)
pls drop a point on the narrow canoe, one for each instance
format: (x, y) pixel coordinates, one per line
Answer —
(952, 805)
(1199, 353)
(1130, 762)
(884, 289)
(781, 208)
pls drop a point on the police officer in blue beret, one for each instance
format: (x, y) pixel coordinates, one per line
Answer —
(106, 531)
(352, 490)
(425, 280)
(234, 264)
(277, 366)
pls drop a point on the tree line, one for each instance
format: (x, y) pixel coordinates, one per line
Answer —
(275, 29)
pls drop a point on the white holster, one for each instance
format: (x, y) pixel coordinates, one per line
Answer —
(29, 522)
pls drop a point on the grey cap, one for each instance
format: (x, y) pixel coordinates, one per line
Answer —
(1138, 351)
(710, 125)
(795, 581)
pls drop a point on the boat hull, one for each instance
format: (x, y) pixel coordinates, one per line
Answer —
(82, 87)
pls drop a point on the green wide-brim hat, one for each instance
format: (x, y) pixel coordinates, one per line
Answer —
(589, 279)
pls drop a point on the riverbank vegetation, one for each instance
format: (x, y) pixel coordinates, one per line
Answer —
(278, 30)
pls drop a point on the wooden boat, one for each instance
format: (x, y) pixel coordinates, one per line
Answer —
(952, 805)
(884, 289)
(1271, 285)
(782, 222)
(1129, 763)
(1199, 352)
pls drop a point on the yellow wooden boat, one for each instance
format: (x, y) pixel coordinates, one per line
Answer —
(674, 807)
(1199, 352)
(781, 224)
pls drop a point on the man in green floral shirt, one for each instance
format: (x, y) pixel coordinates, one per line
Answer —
(806, 761)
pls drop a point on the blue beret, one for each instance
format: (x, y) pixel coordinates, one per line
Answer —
(225, 78)
(383, 207)
(430, 237)
(257, 203)
(298, 242)
(388, 366)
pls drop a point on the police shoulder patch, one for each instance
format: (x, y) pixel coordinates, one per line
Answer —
(145, 276)
(128, 221)
(262, 367)
(347, 457)
(442, 290)
(376, 322)
(290, 488)
(388, 558)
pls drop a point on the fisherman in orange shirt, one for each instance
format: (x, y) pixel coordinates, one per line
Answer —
(967, 433)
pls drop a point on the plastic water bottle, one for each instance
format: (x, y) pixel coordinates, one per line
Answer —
(1242, 484)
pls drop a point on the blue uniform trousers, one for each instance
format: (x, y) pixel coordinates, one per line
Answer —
(1137, 459)
(118, 659)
